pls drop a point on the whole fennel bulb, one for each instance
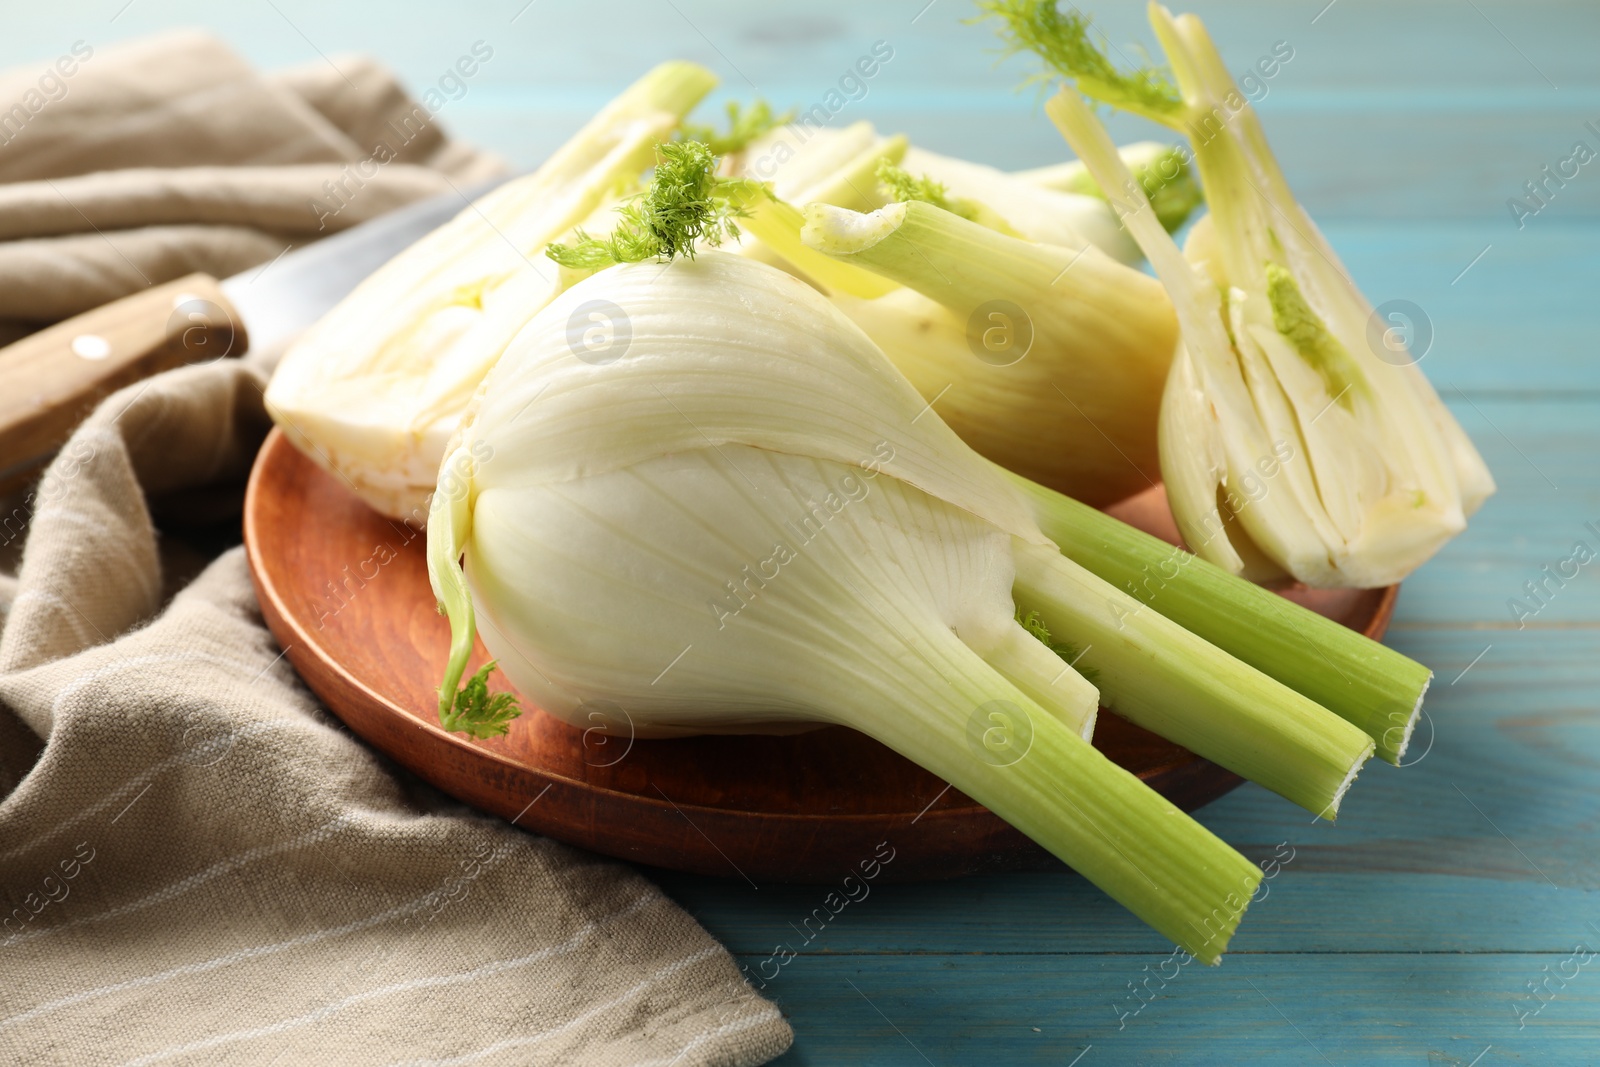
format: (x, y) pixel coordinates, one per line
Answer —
(735, 515)
(697, 427)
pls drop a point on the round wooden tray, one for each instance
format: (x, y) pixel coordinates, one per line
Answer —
(345, 592)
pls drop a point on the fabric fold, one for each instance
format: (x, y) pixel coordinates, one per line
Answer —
(272, 199)
(200, 852)
(133, 164)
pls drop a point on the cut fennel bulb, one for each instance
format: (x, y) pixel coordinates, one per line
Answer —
(1047, 359)
(747, 520)
(1298, 435)
(376, 388)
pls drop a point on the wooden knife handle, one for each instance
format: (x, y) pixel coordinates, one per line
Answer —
(52, 380)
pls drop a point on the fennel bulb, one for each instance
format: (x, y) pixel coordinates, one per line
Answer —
(1290, 443)
(749, 521)
(374, 391)
(1041, 350)
(723, 530)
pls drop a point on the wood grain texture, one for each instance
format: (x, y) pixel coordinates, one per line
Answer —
(1433, 109)
(346, 593)
(1440, 1010)
(1405, 934)
(73, 365)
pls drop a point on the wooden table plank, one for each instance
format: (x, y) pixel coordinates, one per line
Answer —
(1549, 492)
(1519, 321)
(1316, 909)
(1373, 1010)
(1423, 109)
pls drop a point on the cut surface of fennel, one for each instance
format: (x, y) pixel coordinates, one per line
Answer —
(1291, 441)
(374, 390)
(601, 572)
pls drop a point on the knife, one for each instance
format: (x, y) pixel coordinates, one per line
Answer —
(53, 379)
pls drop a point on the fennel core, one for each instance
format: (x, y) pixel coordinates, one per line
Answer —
(1303, 328)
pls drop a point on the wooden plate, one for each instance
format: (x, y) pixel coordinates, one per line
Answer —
(345, 591)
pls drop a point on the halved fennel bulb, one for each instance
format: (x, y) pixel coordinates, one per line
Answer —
(374, 391)
(1298, 434)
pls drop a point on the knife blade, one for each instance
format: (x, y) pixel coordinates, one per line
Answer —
(280, 300)
(55, 378)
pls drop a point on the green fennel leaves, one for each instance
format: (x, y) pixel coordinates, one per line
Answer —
(744, 126)
(686, 203)
(1061, 40)
(479, 713)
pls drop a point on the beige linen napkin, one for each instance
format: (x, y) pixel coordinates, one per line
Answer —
(168, 155)
(199, 865)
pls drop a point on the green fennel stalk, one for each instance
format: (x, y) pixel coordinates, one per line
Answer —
(1364, 682)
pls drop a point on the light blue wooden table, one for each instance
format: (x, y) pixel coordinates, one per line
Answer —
(1409, 933)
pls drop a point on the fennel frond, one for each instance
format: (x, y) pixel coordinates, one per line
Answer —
(686, 204)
